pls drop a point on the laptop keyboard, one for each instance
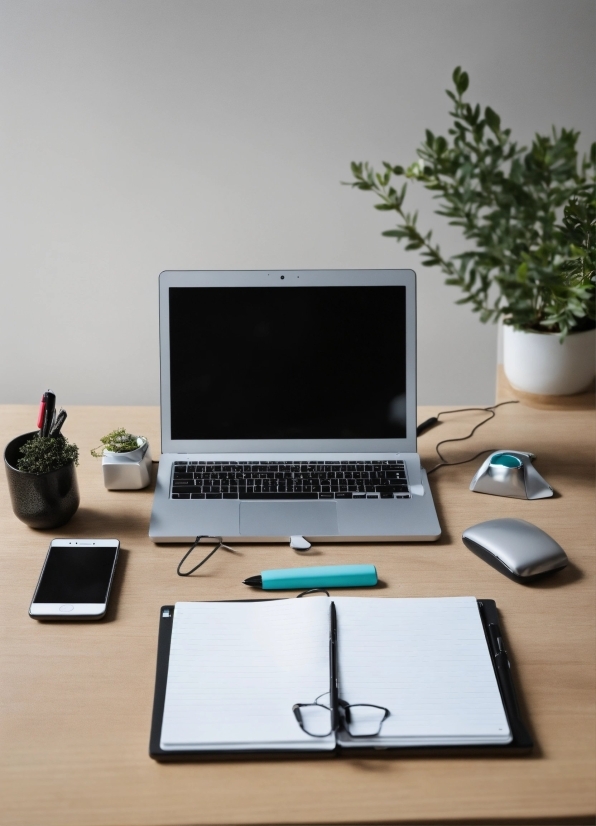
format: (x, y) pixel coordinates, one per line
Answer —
(290, 480)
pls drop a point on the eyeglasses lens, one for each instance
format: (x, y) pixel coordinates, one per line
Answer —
(363, 720)
(316, 720)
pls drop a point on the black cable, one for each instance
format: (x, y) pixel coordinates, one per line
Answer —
(490, 410)
(219, 545)
(313, 591)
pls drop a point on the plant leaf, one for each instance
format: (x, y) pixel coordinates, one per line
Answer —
(462, 82)
(493, 120)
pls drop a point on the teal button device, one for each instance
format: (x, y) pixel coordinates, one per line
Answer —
(506, 460)
(322, 576)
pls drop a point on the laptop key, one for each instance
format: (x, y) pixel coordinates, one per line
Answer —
(213, 495)
(278, 495)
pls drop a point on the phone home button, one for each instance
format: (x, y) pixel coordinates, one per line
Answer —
(66, 608)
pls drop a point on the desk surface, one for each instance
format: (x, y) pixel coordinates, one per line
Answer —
(76, 700)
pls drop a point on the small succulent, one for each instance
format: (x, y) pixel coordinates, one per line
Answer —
(118, 441)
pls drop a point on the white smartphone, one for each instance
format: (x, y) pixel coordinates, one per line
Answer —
(76, 579)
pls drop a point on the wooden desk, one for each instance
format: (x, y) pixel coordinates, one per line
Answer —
(76, 699)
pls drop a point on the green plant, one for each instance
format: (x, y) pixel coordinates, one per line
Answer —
(579, 266)
(42, 454)
(118, 441)
(529, 214)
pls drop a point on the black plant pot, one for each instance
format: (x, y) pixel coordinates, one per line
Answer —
(40, 500)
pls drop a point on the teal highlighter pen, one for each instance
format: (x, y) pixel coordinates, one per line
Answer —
(323, 576)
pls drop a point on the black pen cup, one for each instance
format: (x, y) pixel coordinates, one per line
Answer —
(40, 500)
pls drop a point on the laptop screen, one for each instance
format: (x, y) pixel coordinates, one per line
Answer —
(295, 363)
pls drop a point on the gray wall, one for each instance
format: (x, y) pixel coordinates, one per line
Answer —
(140, 136)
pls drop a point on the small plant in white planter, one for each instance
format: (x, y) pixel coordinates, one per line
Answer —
(531, 218)
(126, 460)
(556, 355)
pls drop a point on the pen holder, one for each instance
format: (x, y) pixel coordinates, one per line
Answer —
(127, 471)
(40, 500)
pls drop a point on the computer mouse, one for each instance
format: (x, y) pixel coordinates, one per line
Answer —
(516, 548)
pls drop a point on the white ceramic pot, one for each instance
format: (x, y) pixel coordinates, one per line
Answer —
(539, 363)
(128, 471)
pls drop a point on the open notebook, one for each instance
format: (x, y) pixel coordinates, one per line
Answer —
(237, 669)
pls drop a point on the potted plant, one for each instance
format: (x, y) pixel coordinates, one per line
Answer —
(42, 479)
(126, 460)
(530, 215)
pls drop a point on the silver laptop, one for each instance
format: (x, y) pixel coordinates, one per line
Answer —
(288, 408)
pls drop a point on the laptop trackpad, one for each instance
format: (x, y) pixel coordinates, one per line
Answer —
(288, 518)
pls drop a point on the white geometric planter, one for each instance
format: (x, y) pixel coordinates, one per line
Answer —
(127, 471)
(539, 363)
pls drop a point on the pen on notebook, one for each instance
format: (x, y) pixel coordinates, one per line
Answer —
(334, 679)
(321, 576)
(57, 426)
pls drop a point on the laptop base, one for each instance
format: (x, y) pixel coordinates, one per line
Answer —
(352, 520)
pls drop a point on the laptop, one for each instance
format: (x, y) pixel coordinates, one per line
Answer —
(288, 408)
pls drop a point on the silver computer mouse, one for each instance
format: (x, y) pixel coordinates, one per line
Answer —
(516, 548)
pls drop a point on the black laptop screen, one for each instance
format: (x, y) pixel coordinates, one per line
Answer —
(288, 362)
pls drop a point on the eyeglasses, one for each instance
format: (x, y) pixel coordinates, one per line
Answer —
(357, 719)
(220, 544)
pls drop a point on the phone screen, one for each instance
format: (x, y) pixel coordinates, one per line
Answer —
(76, 574)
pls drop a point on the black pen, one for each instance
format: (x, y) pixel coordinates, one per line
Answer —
(503, 666)
(57, 426)
(334, 681)
(50, 401)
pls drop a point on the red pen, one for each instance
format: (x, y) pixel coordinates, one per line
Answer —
(42, 412)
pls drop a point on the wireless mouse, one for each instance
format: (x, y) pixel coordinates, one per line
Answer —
(516, 548)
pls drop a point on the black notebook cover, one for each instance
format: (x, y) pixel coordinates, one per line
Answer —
(520, 744)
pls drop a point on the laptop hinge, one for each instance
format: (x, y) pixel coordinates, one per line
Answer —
(412, 461)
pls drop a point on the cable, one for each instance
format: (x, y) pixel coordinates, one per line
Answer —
(220, 544)
(490, 410)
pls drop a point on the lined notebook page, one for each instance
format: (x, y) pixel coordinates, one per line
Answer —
(236, 669)
(427, 661)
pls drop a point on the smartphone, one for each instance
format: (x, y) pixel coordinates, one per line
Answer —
(75, 580)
